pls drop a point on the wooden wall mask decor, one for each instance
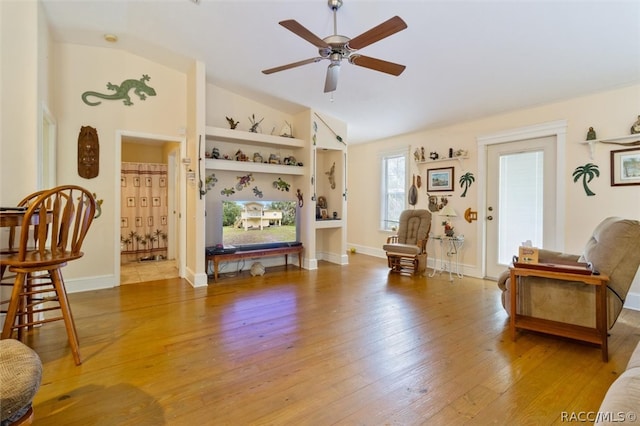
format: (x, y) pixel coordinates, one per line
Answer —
(88, 152)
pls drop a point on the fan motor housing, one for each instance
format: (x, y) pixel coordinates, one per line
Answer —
(338, 44)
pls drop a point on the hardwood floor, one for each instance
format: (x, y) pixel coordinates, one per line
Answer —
(348, 345)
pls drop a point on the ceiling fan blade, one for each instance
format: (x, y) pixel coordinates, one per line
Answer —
(387, 28)
(297, 28)
(331, 82)
(292, 65)
(377, 64)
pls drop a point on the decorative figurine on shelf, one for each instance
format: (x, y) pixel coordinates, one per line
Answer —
(422, 157)
(635, 129)
(416, 155)
(254, 124)
(240, 156)
(257, 158)
(591, 134)
(274, 159)
(287, 130)
(434, 155)
(232, 124)
(215, 153)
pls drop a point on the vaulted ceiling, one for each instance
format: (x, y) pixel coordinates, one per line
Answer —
(464, 59)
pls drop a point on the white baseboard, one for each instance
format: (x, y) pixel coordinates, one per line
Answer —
(632, 301)
(77, 285)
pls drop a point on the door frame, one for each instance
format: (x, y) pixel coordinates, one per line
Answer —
(181, 202)
(558, 129)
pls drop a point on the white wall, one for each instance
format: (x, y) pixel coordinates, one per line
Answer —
(78, 69)
(611, 113)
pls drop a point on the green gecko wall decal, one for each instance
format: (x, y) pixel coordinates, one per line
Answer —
(122, 91)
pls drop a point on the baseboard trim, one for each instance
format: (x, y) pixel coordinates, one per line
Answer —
(632, 301)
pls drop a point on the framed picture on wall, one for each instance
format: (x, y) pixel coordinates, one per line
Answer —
(440, 179)
(625, 167)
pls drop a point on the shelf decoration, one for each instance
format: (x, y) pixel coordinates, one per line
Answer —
(139, 87)
(587, 173)
(465, 182)
(591, 134)
(254, 124)
(232, 124)
(257, 192)
(635, 128)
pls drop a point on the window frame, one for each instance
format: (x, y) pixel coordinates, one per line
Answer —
(384, 157)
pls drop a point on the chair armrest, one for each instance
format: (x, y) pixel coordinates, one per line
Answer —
(392, 239)
(550, 256)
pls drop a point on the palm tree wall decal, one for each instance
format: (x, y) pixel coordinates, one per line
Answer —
(465, 182)
(587, 173)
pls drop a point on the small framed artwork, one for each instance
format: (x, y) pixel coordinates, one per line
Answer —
(625, 167)
(324, 213)
(440, 179)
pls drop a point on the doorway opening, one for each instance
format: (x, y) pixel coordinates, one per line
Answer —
(150, 243)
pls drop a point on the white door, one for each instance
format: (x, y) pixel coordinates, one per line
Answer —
(521, 195)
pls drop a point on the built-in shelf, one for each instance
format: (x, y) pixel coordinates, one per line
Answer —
(328, 223)
(440, 160)
(250, 138)
(629, 140)
(249, 166)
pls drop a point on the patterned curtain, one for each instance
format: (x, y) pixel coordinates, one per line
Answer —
(143, 222)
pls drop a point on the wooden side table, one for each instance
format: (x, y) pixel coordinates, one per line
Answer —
(596, 335)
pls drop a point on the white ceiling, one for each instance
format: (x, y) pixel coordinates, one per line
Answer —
(465, 59)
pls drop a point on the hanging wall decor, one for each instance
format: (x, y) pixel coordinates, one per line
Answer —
(281, 185)
(139, 87)
(465, 182)
(88, 152)
(587, 173)
(257, 192)
(332, 176)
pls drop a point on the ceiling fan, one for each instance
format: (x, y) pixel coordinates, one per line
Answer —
(337, 47)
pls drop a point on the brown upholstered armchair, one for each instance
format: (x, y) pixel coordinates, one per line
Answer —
(613, 249)
(407, 251)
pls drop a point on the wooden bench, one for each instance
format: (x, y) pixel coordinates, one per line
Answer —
(253, 254)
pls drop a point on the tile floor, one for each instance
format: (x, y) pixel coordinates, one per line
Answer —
(137, 272)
